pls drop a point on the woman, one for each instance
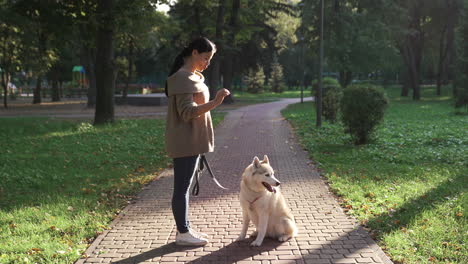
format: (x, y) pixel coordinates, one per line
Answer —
(189, 130)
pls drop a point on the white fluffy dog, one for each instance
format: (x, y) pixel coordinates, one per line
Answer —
(264, 205)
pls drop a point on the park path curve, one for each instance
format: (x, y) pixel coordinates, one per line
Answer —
(144, 232)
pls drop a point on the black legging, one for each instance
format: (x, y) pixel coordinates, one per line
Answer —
(184, 170)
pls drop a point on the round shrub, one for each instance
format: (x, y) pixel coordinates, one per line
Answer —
(331, 102)
(362, 108)
(331, 97)
(327, 82)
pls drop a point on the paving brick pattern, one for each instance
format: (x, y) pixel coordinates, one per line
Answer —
(145, 231)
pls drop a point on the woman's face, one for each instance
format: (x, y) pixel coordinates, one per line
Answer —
(201, 61)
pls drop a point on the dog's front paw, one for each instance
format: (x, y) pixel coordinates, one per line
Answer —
(240, 237)
(256, 243)
(284, 238)
(254, 234)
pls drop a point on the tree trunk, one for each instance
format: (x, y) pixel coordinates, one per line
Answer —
(130, 56)
(405, 84)
(88, 60)
(61, 88)
(55, 89)
(37, 90)
(5, 81)
(228, 68)
(411, 49)
(345, 78)
(90, 68)
(215, 71)
(197, 19)
(105, 74)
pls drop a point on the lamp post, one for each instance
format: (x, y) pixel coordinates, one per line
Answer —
(302, 67)
(318, 100)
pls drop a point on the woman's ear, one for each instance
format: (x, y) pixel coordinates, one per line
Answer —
(194, 52)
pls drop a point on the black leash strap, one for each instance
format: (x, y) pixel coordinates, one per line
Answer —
(201, 165)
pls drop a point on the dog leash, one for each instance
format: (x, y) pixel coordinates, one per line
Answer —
(201, 165)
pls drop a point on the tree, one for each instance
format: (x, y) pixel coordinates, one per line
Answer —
(135, 26)
(445, 15)
(105, 70)
(10, 47)
(255, 80)
(461, 90)
(410, 40)
(277, 78)
(44, 22)
(230, 49)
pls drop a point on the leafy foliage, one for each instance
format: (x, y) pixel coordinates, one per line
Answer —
(255, 80)
(331, 97)
(362, 108)
(277, 78)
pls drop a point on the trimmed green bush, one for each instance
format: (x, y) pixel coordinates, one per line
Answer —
(362, 109)
(331, 102)
(331, 97)
(327, 82)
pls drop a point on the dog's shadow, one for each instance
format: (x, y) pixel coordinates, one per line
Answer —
(237, 251)
(230, 253)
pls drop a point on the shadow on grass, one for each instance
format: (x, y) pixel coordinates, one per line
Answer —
(406, 213)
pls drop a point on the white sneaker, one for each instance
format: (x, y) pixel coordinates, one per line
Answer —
(198, 234)
(190, 239)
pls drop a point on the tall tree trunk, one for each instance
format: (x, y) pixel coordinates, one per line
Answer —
(60, 88)
(105, 74)
(228, 68)
(405, 84)
(446, 46)
(55, 89)
(88, 60)
(411, 48)
(90, 70)
(37, 90)
(345, 77)
(130, 56)
(197, 19)
(5, 81)
(42, 48)
(215, 71)
(441, 62)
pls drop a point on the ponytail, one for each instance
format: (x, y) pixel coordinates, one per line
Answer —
(200, 44)
(178, 63)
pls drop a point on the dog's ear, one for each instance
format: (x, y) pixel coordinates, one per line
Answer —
(256, 162)
(265, 159)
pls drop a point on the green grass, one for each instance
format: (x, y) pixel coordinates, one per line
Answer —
(408, 186)
(268, 96)
(62, 182)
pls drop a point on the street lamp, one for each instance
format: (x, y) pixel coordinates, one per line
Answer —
(302, 68)
(318, 100)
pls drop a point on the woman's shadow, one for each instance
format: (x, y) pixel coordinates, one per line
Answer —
(230, 253)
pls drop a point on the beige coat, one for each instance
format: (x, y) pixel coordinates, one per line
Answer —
(186, 133)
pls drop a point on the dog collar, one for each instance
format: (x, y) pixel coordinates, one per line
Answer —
(251, 202)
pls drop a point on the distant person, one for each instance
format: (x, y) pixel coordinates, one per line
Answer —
(189, 130)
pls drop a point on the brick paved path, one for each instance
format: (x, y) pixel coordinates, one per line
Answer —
(145, 230)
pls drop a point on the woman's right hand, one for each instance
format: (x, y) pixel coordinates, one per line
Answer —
(221, 94)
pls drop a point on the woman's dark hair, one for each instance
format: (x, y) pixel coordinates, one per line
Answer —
(200, 44)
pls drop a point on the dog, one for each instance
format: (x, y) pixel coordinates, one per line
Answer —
(263, 204)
